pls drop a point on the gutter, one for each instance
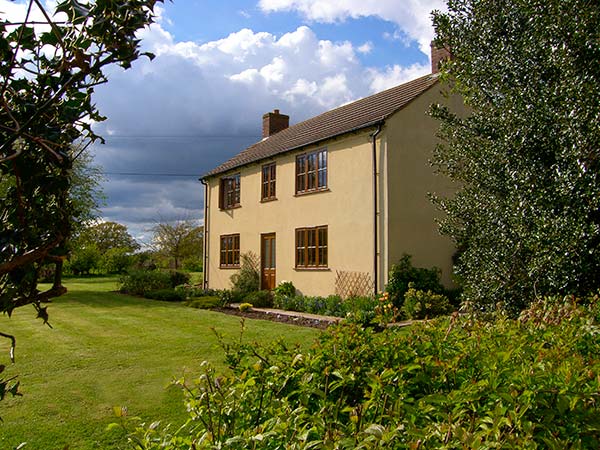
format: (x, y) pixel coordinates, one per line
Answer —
(375, 216)
(205, 250)
(318, 141)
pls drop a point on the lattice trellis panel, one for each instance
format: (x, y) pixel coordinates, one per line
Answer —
(353, 284)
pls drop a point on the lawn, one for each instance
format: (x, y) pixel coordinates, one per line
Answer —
(104, 350)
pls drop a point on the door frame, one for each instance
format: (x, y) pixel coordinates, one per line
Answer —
(273, 237)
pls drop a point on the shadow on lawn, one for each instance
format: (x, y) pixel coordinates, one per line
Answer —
(111, 299)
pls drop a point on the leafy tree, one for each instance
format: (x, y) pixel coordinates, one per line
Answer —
(116, 260)
(84, 260)
(178, 241)
(527, 216)
(86, 193)
(106, 236)
(47, 77)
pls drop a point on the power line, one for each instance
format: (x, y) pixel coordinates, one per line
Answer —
(179, 136)
(145, 174)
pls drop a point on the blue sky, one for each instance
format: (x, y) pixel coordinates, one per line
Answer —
(219, 66)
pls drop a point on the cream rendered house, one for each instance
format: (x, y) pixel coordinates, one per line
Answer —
(332, 202)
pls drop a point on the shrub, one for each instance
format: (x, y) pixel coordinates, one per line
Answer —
(245, 307)
(288, 303)
(404, 273)
(192, 264)
(84, 260)
(247, 279)
(165, 295)
(360, 310)
(190, 290)
(228, 297)
(116, 260)
(448, 383)
(206, 302)
(138, 282)
(260, 299)
(177, 278)
(420, 304)
(285, 288)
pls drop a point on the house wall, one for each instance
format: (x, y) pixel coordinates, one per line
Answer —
(346, 208)
(411, 227)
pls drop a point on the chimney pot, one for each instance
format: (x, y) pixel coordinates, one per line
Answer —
(274, 122)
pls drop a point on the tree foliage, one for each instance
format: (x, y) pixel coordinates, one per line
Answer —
(106, 236)
(457, 383)
(47, 76)
(527, 216)
(86, 192)
(178, 241)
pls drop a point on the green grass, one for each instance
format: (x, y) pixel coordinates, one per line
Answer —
(106, 350)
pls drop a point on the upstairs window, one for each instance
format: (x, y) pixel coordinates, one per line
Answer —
(311, 247)
(229, 193)
(268, 182)
(311, 171)
(230, 251)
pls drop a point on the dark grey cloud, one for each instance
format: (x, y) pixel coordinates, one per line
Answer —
(195, 106)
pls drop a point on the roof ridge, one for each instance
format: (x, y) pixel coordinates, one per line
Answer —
(346, 118)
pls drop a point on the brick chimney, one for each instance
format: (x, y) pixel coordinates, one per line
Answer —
(273, 122)
(438, 54)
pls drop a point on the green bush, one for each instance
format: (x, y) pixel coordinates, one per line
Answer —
(260, 299)
(192, 264)
(177, 278)
(245, 307)
(138, 282)
(404, 273)
(206, 302)
(451, 383)
(247, 279)
(420, 304)
(116, 260)
(228, 297)
(83, 261)
(190, 290)
(165, 295)
(285, 288)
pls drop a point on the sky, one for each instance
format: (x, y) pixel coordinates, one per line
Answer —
(219, 66)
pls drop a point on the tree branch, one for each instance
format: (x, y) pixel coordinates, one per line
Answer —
(14, 55)
(29, 257)
(12, 345)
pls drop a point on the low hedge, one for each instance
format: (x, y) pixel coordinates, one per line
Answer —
(458, 382)
(206, 302)
(165, 295)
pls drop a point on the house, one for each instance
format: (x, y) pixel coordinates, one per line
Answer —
(332, 202)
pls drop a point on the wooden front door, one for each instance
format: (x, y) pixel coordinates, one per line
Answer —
(267, 261)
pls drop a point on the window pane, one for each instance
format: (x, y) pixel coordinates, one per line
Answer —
(322, 236)
(322, 179)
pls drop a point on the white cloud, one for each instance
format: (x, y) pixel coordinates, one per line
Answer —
(395, 75)
(412, 16)
(196, 105)
(366, 48)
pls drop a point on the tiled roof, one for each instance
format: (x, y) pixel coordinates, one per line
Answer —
(351, 117)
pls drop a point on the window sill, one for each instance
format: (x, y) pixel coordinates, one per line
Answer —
(229, 267)
(314, 191)
(267, 200)
(230, 208)
(312, 269)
